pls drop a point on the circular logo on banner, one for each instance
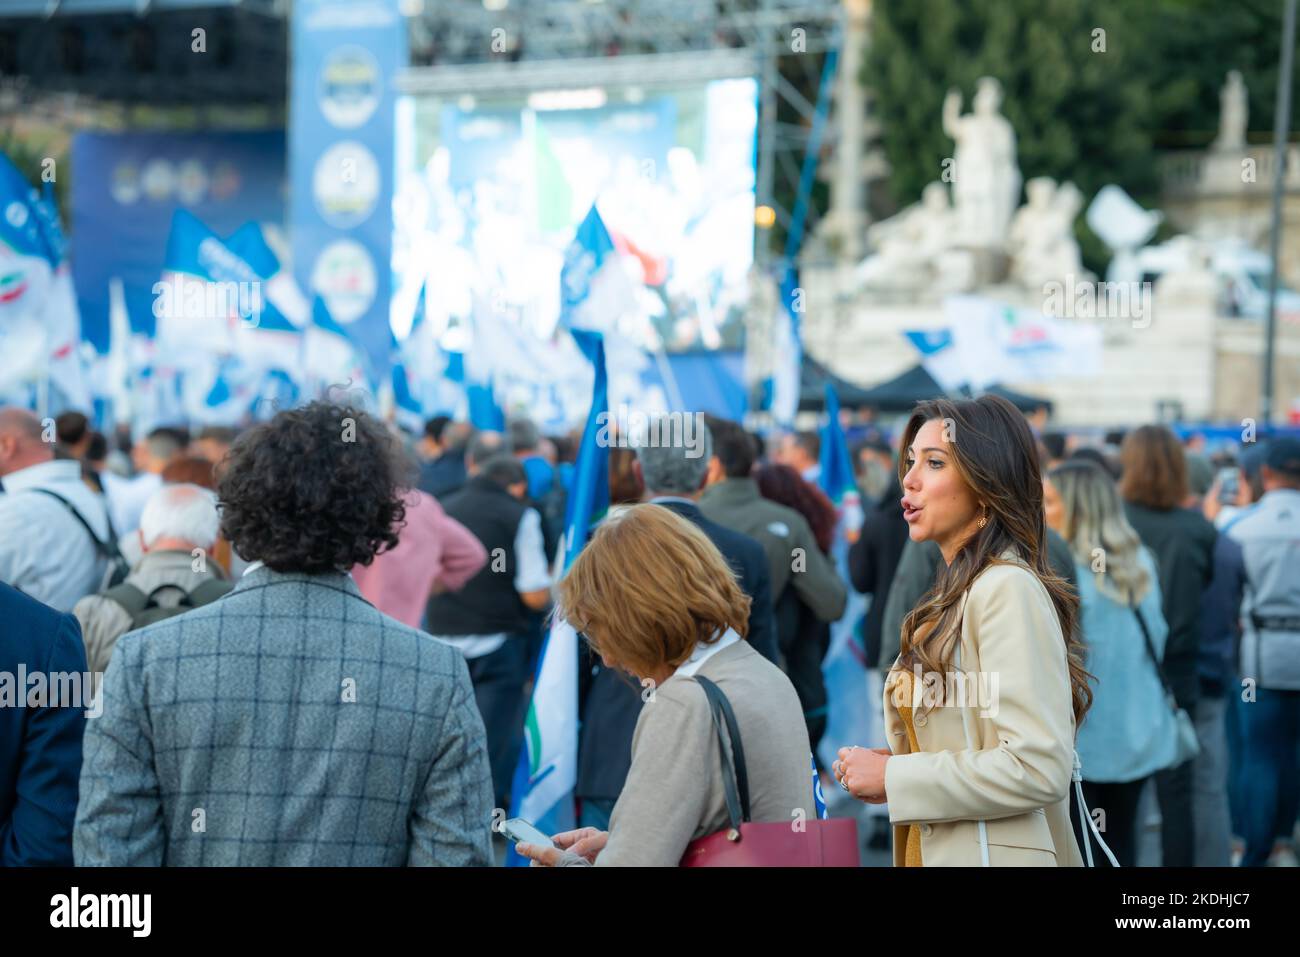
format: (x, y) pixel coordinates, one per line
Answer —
(345, 277)
(191, 182)
(16, 214)
(126, 184)
(345, 184)
(349, 87)
(158, 179)
(225, 180)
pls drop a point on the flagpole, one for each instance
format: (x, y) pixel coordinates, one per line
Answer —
(1281, 123)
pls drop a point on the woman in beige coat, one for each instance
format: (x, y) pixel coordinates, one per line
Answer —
(982, 703)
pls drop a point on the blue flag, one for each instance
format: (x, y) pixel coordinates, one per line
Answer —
(547, 774)
(836, 477)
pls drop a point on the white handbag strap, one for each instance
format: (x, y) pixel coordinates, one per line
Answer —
(1088, 825)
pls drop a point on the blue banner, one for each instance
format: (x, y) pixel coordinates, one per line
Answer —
(345, 54)
(126, 187)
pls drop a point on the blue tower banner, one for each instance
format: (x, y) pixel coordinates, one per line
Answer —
(345, 56)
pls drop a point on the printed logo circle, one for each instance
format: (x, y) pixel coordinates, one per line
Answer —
(16, 214)
(126, 184)
(158, 179)
(348, 89)
(191, 182)
(345, 276)
(345, 184)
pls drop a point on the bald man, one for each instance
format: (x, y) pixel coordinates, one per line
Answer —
(46, 545)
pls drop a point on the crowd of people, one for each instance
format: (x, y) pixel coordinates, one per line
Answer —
(313, 640)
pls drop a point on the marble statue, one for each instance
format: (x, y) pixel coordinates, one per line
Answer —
(986, 180)
(914, 249)
(1233, 113)
(1041, 239)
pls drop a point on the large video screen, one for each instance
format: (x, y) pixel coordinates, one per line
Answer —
(490, 192)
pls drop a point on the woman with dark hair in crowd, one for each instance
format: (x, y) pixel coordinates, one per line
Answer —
(980, 772)
(781, 483)
(805, 638)
(1154, 486)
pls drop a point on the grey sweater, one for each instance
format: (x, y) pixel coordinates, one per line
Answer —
(674, 792)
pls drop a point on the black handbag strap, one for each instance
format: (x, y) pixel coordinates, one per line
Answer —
(1151, 651)
(736, 785)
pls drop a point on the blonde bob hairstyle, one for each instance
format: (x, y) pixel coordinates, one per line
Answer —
(648, 587)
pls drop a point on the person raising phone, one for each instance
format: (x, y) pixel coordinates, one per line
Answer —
(983, 778)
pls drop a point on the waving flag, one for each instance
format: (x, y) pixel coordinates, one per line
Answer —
(836, 477)
(40, 326)
(595, 290)
(548, 766)
(329, 355)
(788, 351)
(940, 357)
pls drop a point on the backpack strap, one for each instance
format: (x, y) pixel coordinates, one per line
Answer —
(209, 591)
(106, 549)
(202, 593)
(131, 599)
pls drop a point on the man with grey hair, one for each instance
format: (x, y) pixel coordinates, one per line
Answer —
(54, 531)
(178, 528)
(673, 474)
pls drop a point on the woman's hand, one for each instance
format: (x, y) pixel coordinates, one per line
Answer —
(586, 842)
(861, 771)
(538, 855)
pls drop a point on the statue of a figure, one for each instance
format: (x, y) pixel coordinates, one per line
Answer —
(1233, 113)
(914, 248)
(986, 180)
(1042, 244)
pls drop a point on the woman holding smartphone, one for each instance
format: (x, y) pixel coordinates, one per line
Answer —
(982, 703)
(654, 598)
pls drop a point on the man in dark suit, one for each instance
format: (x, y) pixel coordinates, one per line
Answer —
(40, 741)
(673, 473)
(442, 455)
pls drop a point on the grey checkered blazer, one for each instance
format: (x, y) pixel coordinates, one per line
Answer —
(289, 723)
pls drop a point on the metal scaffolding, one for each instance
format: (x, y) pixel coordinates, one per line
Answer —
(471, 46)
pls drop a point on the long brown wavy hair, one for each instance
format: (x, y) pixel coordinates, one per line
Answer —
(995, 455)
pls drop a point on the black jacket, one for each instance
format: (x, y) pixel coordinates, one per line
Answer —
(443, 475)
(488, 602)
(1182, 542)
(610, 701)
(873, 558)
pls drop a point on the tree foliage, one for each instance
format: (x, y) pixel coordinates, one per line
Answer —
(1082, 112)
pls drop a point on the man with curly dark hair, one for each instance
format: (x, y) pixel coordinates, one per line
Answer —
(291, 723)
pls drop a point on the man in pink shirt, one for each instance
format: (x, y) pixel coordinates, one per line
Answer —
(434, 553)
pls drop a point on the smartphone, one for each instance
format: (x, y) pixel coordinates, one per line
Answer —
(521, 832)
(1228, 479)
